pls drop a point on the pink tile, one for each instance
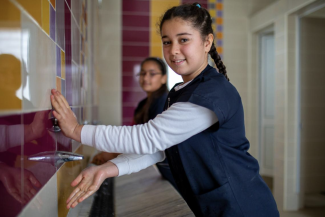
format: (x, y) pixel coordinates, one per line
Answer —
(136, 6)
(39, 139)
(136, 21)
(142, 36)
(130, 82)
(135, 51)
(129, 96)
(10, 152)
(130, 67)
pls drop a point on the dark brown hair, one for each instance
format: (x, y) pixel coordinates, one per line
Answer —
(142, 116)
(201, 20)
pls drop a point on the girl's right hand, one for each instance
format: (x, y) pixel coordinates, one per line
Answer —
(89, 181)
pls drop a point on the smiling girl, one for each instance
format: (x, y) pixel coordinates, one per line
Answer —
(201, 130)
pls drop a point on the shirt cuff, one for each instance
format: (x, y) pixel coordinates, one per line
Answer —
(88, 135)
(122, 165)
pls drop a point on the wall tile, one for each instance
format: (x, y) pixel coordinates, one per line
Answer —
(12, 135)
(34, 8)
(37, 140)
(135, 21)
(58, 84)
(76, 10)
(68, 54)
(75, 42)
(58, 61)
(63, 68)
(59, 22)
(40, 67)
(46, 16)
(53, 3)
(52, 23)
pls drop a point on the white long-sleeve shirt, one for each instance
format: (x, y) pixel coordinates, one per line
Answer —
(143, 145)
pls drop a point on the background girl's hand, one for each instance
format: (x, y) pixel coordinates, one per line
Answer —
(89, 181)
(65, 116)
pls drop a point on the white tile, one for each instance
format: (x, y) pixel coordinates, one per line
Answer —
(40, 66)
(45, 203)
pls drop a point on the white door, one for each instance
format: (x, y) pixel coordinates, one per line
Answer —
(266, 99)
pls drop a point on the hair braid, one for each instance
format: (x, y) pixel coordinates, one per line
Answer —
(216, 57)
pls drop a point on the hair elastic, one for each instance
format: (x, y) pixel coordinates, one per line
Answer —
(198, 5)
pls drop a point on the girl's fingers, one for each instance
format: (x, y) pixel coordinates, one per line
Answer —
(56, 105)
(73, 199)
(76, 180)
(86, 195)
(64, 100)
(73, 193)
(57, 115)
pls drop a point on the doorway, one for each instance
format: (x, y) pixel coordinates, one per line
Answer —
(312, 106)
(266, 102)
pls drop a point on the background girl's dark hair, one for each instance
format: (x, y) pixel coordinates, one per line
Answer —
(142, 116)
(201, 20)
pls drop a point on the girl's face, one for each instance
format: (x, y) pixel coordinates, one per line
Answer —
(183, 48)
(151, 77)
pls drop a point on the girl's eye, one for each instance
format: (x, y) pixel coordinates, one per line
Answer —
(183, 40)
(166, 42)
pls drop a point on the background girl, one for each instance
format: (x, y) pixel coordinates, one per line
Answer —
(202, 130)
(152, 79)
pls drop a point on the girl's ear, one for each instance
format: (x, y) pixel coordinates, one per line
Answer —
(164, 79)
(208, 43)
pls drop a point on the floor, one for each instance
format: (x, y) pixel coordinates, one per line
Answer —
(306, 212)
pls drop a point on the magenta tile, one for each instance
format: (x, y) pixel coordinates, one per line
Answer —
(75, 42)
(136, 21)
(12, 134)
(59, 18)
(132, 96)
(136, 6)
(63, 143)
(58, 61)
(203, 3)
(135, 51)
(52, 22)
(68, 54)
(130, 67)
(69, 3)
(142, 36)
(130, 81)
(128, 111)
(39, 138)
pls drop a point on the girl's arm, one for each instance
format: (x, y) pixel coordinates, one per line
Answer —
(181, 121)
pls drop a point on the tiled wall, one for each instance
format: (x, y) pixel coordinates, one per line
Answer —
(312, 98)
(43, 45)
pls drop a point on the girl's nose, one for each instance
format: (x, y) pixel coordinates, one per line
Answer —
(174, 49)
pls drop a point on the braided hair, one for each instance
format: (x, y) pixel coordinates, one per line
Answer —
(201, 20)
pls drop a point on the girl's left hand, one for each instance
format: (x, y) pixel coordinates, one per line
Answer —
(65, 116)
(89, 182)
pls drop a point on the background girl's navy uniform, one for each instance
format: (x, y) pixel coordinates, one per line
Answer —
(213, 170)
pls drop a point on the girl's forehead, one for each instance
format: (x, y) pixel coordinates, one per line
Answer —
(176, 25)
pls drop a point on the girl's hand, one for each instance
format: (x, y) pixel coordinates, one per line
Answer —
(65, 116)
(89, 182)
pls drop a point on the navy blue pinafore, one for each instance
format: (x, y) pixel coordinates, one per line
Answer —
(213, 170)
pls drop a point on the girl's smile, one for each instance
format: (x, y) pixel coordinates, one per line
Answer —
(184, 50)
